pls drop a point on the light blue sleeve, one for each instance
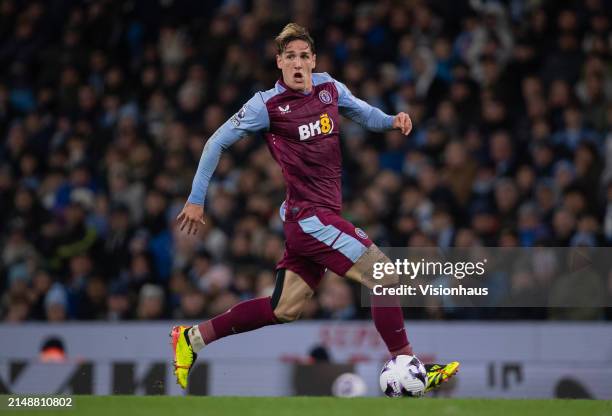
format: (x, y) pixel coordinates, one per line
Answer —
(361, 112)
(251, 118)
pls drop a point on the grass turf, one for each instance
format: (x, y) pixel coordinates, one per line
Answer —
(311, 406)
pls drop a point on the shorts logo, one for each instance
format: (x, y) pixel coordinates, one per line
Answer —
(325, 97)
(324, 125)
(360, 233)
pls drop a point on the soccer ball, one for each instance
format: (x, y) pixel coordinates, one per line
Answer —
(349, 385)
(404, 375)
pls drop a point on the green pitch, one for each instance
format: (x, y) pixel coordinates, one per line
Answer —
(314, 406)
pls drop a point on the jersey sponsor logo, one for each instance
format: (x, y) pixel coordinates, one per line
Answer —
(360, 233)
(285, 109)
(324, 125)
(325, 97)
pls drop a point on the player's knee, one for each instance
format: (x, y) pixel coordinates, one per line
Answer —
(370, 269)
(379, 275)
(391, 279)
(288, 313)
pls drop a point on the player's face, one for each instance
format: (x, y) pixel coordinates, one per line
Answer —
(297, 62)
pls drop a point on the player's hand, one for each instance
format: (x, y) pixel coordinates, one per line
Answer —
(402, 122)
(190, 217)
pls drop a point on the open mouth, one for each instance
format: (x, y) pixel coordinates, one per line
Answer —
(298, 76)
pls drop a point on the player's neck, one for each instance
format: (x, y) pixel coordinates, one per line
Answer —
(306, 90)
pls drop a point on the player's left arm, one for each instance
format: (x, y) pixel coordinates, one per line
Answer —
(368, 116)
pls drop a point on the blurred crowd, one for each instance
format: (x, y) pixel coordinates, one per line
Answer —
(105, 107)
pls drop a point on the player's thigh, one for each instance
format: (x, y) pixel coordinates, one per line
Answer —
(329, 240)
(362, 270)
(346, 250)
(291, 293)
(293, 260)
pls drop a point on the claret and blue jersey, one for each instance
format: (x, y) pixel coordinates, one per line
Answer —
(302, 133)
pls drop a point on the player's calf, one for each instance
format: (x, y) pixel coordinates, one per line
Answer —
(290, 296)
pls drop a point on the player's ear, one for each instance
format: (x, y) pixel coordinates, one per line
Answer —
(314, 60)
(278, 62)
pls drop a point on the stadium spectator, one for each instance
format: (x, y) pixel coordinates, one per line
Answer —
(102, 123)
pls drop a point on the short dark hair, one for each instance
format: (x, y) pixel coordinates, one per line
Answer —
(291, 32)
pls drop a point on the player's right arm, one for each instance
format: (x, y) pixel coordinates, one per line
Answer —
(251, 118)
